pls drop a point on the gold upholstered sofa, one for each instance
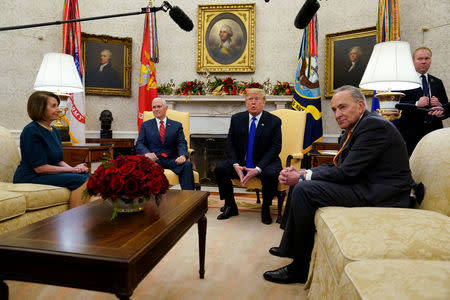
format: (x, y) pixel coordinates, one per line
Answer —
(23, 204)
(389, 253)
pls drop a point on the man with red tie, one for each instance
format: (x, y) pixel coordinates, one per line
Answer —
(162, 140)
(370, 169)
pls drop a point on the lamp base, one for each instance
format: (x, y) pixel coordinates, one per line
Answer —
(388, 100)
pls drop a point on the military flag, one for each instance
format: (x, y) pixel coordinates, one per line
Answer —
(306, 96)
(149, 56)
(72, 45)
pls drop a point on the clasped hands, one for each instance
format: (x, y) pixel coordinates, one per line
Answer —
(81, 168)
(425, 101)
(179, 160)
(290, 176)
(251, 172)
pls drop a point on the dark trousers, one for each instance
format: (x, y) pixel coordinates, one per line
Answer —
(224, 172)
(184, 171)
(307, 196)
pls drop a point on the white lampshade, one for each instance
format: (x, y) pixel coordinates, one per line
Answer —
(390, 68)
(58, 74)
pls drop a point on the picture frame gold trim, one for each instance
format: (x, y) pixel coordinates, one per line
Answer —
(337, 46)
(92, 45)
(241, 18)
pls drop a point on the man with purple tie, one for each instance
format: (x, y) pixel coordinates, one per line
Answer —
(415, 124)
(162, 140)
(253, 146)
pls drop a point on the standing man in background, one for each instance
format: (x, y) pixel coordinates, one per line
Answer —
(415, 124)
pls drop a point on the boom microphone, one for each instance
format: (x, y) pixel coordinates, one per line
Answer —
(306, 13)
(410, 107)
(181, 18)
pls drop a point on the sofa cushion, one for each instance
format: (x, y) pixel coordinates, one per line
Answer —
(359, 233)
(430, 162)
(10, 158)
(396, 279)
(11, 205)
(38, 196)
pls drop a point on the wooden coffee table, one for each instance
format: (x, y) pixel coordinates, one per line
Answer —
(82, 248)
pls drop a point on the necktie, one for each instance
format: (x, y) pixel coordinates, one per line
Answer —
(426, 89)
(426, 92)
(334, 158)
(251, 139)
(162, 130)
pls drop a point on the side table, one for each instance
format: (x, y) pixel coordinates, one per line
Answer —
(322, 153)
(123, 146)
(86, 153)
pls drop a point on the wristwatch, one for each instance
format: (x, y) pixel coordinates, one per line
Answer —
(302, 177)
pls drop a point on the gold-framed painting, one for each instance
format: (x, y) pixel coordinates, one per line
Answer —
(107, 64)
(346, 56)
(226, 38)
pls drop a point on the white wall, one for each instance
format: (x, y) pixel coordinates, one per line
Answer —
(277, 46)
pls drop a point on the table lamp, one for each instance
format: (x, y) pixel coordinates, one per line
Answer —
(58, 74)
(390, 68)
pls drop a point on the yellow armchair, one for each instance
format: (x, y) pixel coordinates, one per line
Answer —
(183, 118)
(292, 131)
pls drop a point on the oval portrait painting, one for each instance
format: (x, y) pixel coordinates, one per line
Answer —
(226, 38)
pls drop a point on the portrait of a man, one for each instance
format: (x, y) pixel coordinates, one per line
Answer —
(350, 60)
(107, 64)
(104, 75)
(226, 38)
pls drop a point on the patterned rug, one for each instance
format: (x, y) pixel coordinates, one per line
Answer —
(245, 203)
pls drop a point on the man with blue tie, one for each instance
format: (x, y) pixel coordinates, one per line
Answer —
(413, 125)
(162, 140)
(253, 148)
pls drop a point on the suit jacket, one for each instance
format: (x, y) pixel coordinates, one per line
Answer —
(107, 78)
(174, 143)
(374, 162)
(412, 124)
(267, 143)
(353, 77)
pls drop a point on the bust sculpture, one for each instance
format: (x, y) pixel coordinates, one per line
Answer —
(106, 118)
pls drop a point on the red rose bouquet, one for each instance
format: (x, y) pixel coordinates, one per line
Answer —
(128, 177)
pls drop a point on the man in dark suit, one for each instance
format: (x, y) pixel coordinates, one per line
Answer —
(253, 146)
(162, 140)
(371, 169)
(415, 124)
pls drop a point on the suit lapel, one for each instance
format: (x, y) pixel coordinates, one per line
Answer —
(349, 143)
(260, 127)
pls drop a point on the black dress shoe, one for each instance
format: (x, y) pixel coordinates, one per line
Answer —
(265, 215)
(227, 213)
(283, 275)
(222, 208)
(276, 251)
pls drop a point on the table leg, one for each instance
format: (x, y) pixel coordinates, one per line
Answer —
(201, 224)
(4, 291)
(123, 297)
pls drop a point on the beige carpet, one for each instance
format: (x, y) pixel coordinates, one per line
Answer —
(236, 257)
